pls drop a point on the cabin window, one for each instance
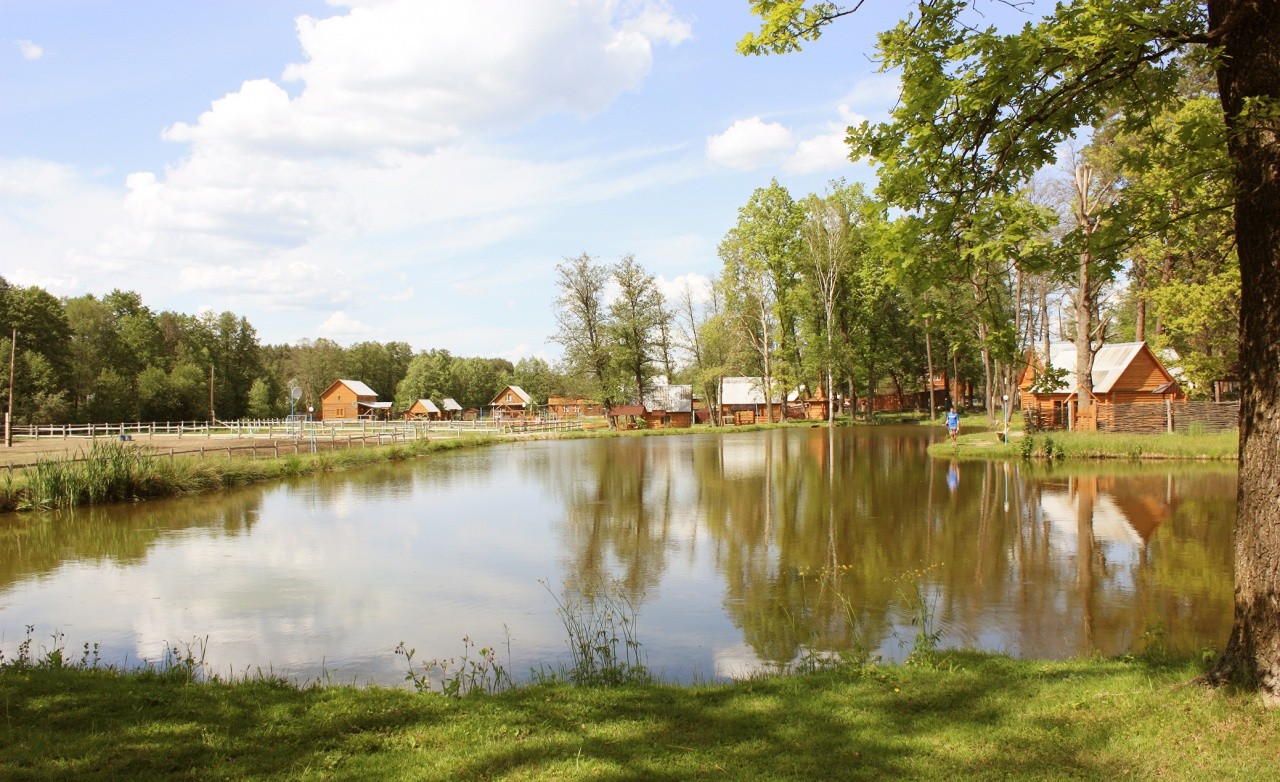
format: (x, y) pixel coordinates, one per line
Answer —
(510, 398)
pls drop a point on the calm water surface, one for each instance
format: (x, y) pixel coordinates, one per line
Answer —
(740, 551)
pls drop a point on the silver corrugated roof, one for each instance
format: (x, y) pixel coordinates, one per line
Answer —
(672, 399)
(1109, 363)
(360, 388)
(744, 391)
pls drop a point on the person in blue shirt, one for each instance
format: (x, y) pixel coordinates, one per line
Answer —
(953, 425)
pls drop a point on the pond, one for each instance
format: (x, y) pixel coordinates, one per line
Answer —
(738, 551)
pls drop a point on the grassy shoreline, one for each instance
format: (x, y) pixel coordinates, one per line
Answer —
(953, 715)
(121, 472)
(1223, 446)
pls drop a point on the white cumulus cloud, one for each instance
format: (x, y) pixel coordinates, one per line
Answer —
(750, 143)
(390, 131)
(342, 327)
(819, 153)
(417, 73)
(30, 50)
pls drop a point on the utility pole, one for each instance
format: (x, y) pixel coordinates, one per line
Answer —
(211, 394)
(8, 415)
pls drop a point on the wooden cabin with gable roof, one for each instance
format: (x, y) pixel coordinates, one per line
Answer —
(669, 407)
(422, 410)
(1123, 373)
(742, 401)
(511, 403)
(349, 400)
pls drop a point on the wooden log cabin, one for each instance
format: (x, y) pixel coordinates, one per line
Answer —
(350, 400)
(1123, 374)
(669, 407)
(422, 410)
(573, 407)
(742, 401)
(511, 403)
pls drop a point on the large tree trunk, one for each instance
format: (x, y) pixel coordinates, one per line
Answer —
(1250, 32)
(1084, 349)
(1086, 416)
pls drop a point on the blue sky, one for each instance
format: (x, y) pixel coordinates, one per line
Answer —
(388, 170)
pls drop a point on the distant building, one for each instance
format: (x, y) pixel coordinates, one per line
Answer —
(802, 404)
(423, 409)
(350, 400)
(626, 416)
(452, 410)
(669, 407)
(512, 402)
(573, 407)
(742, 400)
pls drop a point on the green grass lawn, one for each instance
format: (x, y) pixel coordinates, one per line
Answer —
(1090, 445)
(957, 716)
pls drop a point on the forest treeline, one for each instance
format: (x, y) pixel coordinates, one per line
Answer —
(1130, 239)
(110, 359)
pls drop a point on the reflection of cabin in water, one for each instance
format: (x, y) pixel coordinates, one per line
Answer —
(350, 400)
(1117, 511)
(742, 401)
(423, 410)
(1123, 373)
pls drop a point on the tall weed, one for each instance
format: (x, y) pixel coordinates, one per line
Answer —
(603, 647)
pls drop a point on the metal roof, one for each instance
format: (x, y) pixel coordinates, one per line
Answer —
(744, 391)
(360, 388)
(1109, 363)
(428, 405)
(670, 399)
(450, 404)
(375, 405)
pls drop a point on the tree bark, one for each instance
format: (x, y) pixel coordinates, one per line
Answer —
(1250, 70)
(1085, 415)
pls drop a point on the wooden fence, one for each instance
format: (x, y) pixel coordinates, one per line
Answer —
(1151, 418)
(269, 428)
(278, 437)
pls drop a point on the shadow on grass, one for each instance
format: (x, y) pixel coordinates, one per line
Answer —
(981, 717)
(893, 725)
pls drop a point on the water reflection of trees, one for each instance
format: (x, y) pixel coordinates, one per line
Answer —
(822, 539)
(835, 545)
(36, 544)
(621, 498)
(811, 541)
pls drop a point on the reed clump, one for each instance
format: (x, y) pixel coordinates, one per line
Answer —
(120, 472)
